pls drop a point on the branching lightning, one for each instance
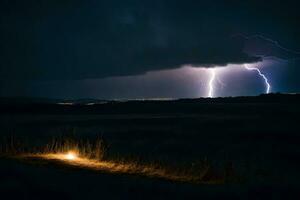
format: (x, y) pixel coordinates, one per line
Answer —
(274, 42)
(268, 86)
(250, 68)
(211, 83)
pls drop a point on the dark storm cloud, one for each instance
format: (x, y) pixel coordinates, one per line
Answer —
(67, 40)
(258, 45)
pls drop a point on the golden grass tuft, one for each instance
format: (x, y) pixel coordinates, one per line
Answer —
(91, 156)
(84, 148)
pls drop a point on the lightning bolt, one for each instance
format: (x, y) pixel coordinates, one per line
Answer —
(250, 68)
(211, 82)
(268, 86)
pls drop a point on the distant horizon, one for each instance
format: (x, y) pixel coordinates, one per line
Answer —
(141, 99)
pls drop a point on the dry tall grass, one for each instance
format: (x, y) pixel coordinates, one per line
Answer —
(91, 155)
(84, 148)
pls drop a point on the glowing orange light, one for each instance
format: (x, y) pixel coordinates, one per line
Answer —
(70, 156)
(73, 158)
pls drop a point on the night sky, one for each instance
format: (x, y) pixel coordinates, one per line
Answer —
(147, 49)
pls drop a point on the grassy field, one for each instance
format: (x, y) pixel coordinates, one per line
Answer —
(251, 145)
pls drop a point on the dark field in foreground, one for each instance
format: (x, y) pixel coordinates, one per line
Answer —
(257, 136)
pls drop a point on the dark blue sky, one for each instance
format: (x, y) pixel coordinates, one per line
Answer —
(146, 49)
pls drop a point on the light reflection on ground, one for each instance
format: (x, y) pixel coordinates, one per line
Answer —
(73, 159)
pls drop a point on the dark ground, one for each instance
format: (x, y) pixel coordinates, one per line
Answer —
(258, 136)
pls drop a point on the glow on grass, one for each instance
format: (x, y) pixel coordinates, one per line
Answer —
(90, 156)
(134, 168)
(71, 155)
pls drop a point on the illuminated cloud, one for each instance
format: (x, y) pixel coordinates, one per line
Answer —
(80, 40)
(119, 48)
